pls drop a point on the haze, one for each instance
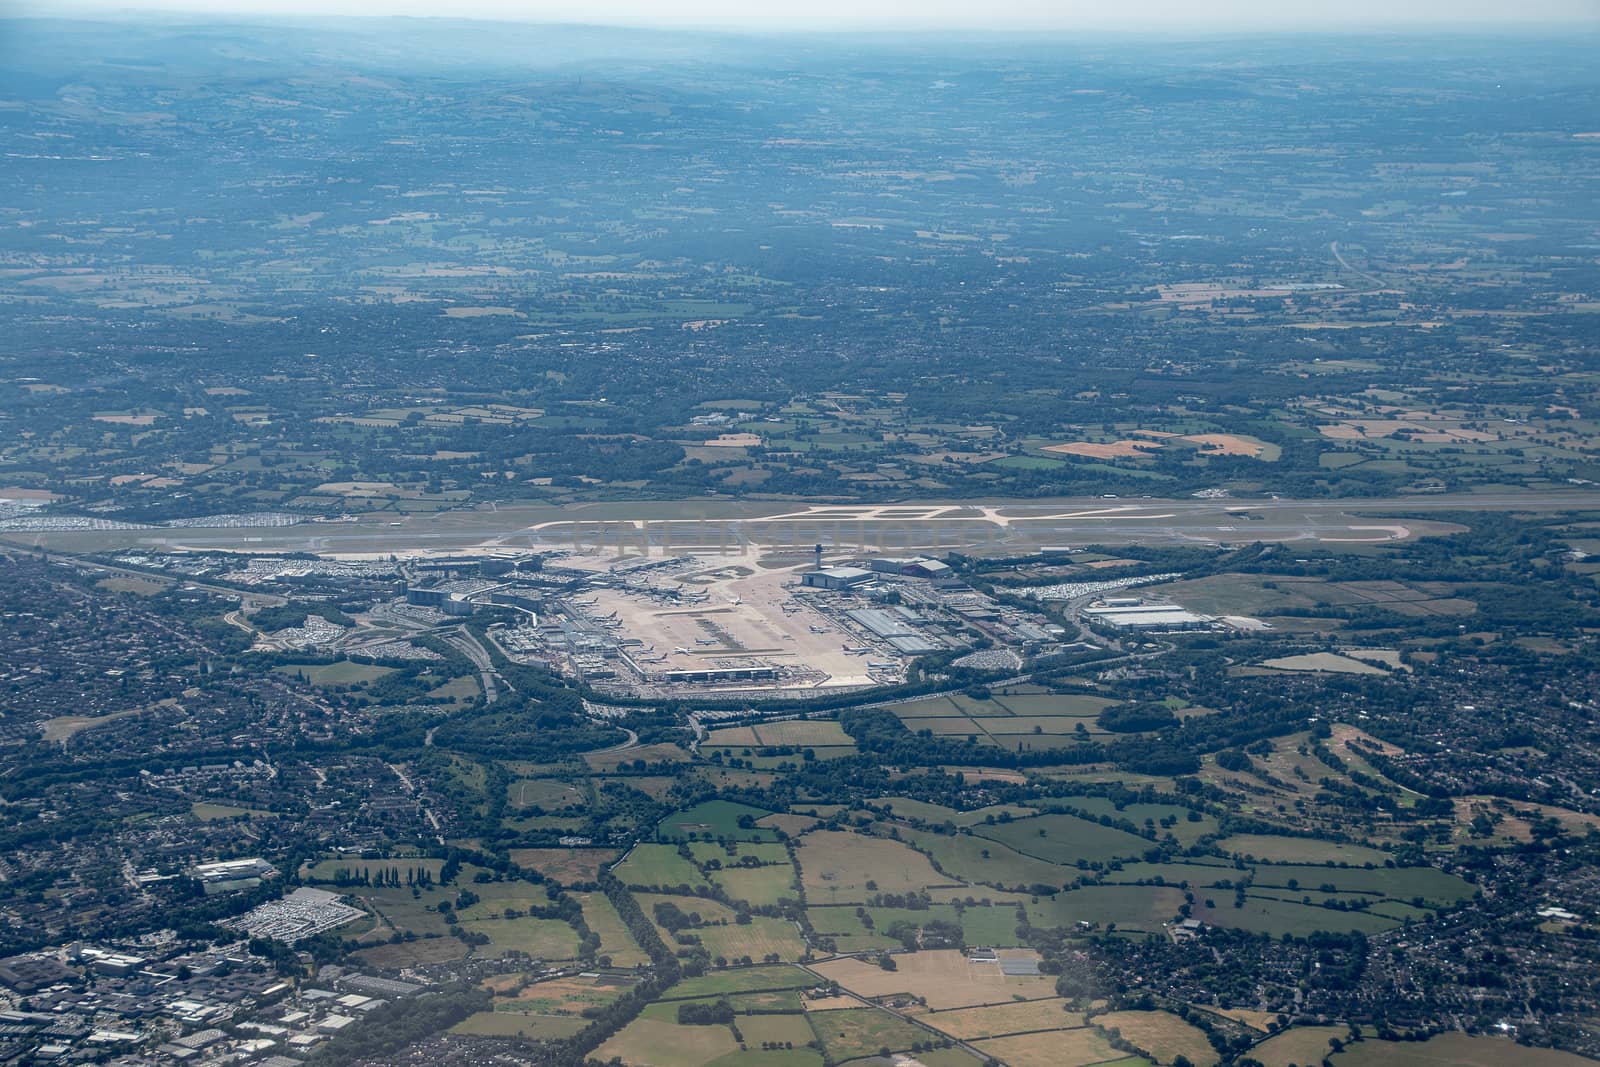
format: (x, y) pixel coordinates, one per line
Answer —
(1001, 15)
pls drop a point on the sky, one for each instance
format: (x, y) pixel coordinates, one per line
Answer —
(998, 15)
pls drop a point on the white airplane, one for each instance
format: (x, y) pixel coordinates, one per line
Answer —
(680, 650)
(738, 600)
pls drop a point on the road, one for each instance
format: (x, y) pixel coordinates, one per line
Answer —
(410, 788)
(1376, 282)
(464, 641)
(248, 600)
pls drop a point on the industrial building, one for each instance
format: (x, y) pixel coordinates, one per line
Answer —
(836, 578)
(229, 875)
(911, 567)
(1140, 616)
(896, 629)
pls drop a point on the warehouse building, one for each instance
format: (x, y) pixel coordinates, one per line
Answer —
(228, 875)
(1146, 617)
(836, 578)
(911, 567)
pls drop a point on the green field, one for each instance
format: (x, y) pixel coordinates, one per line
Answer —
(758, 885)
(328, 870)
(600, 915)
(1277, 917)
(1453, 1050)
(546, 793)
(741, 980)
(850, 1033)
(731, 853)
(1433, 886)
(715, 819)
(344, 672)
(1268, 848)
(546, 939)
(519, 1024)
(753, 941)
(1148, 815)
(1129, 907)
(981, 861)
(1065, 839)
(658, 865)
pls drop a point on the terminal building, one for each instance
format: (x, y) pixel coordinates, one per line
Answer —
(441, 599)
(836, 578)
(720, 674)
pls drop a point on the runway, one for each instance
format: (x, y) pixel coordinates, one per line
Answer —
(713, 526)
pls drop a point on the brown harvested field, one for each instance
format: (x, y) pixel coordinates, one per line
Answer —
(647, 1042)
(1105, 450)
(1226, 444)
(128, 420)
(559, 996)
(564, 865)
(1054, 1048)
(1162, 1034)
(943, 977)
(63, 727)
(789, 824)
(803, 733)
(836, 867)
(477, 312)
(736, 736)
(757, 939)
(1255, 1020)
(1323, 662)
(1000, 1019)
(837, 1003)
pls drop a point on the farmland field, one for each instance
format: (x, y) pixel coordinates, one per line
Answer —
(757, 885)
(658, 865)
(999, 1019)
(1270, 849)
(742, 979)
(518, 1024)
(1162, 1034)
(1055, 1048)
(753, 941)
(980, 860)
(715, 819)
(1133, 907)
(1454, 1050)
(600, 915)
(856, 1032)
(567, 865)
(1065, 839)
(836, 867)
(943, 977)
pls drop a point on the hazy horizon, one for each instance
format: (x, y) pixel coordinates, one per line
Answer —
(1000, 16)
